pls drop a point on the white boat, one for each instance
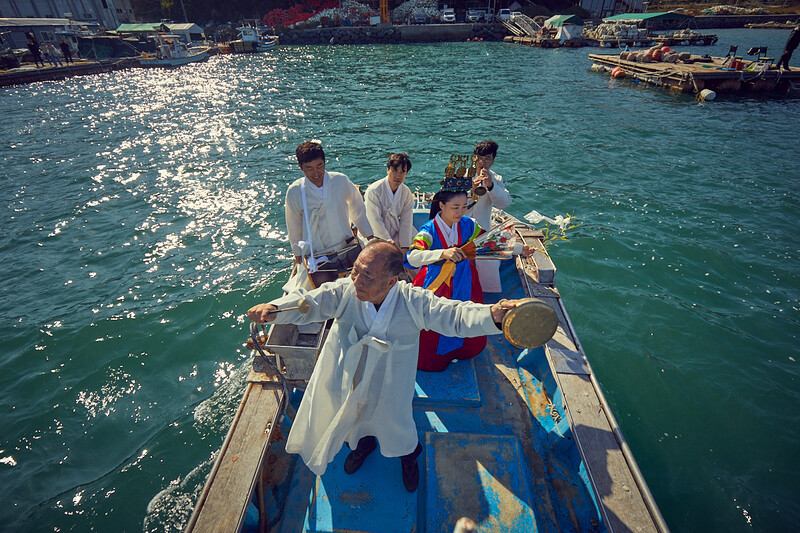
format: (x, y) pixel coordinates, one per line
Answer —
(252, 40)
(172, 52)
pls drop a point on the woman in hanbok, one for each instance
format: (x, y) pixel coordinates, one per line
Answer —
(445, 269)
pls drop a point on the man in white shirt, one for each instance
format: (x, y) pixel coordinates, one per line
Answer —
(496, 195)
(362, 386)
(320, 208)
(390, 204)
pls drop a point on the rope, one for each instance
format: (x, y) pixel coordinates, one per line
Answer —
(272, 364)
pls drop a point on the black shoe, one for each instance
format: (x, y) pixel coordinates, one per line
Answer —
(357, 457)
(410, 474)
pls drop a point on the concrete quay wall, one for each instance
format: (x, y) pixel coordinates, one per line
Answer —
(422, 33)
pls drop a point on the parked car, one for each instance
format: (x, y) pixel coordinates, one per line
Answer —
(448, 15)
(473, 15)
(504, 14)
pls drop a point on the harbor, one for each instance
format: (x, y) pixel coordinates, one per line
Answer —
(144, 213)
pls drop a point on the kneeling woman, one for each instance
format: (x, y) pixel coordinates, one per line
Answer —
(436, 250)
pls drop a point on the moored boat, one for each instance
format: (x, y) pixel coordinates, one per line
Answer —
(514, 439)
(171, 52)
(252, 40)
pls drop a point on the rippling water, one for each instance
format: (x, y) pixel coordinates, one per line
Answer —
(142, 216)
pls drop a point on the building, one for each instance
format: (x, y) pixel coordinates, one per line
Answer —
(44, 29)
(106, 13)
(606, 8)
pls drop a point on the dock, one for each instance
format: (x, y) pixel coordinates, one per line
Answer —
(28, 73)
(704, 73)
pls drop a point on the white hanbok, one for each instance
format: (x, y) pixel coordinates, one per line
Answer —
(363, 381)
(488, 270)
(391, 214)
(330, 209)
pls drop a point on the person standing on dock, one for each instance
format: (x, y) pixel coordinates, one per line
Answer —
(494, 194)
(320, 208)
(33, 48)
(390, 204)
(65, 49)
(788, 50)
(51, 54)
(362, 387)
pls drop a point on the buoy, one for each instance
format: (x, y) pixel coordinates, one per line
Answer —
(666, 50)
(707, 95)
(598, 68)
(618, 73)
(656, 55)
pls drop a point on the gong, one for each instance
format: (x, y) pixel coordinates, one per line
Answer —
(530, 324)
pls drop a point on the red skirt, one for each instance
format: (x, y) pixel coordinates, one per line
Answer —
(428, 359)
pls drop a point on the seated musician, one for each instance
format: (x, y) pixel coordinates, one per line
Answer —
(320, 208)
(437, 240)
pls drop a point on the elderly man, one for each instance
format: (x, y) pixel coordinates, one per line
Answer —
(496, 195)
(363, 383)
(319, 209)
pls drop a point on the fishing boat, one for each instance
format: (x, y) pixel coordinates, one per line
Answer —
(172, 52)
(513, 440)
(252, 40)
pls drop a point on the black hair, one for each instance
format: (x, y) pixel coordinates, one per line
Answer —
(443, 197)
(486, 148)
(399, 161)
(309, 151)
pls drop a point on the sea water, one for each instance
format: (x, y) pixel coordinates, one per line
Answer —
(143, 215)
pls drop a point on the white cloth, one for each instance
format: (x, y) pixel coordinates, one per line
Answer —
(363, 381)
(331, 209)
(488, 270)
(391, 214)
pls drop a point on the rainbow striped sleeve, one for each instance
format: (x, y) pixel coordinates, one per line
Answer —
(478, 230)
(422, 241)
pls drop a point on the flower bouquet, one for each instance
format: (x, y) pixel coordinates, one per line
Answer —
(500, 242)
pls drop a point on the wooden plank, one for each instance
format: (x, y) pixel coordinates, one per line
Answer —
(230, 485)
(624, 508)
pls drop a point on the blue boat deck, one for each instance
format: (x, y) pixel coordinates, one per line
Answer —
(497, 448)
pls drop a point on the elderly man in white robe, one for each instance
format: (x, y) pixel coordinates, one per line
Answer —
(362, 386)
(390, 204)
(481, 210)
(320, 208)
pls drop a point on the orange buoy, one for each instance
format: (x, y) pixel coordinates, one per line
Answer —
(618, 73)
(656, 55)
(666, 50)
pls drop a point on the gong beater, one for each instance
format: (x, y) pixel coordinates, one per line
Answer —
(530, 324)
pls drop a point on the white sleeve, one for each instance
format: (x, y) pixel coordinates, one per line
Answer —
(294, 221)
(356, 210)
(374, 216)
(418, 258)
(499, 194)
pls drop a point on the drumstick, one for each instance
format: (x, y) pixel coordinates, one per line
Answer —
(303, 306)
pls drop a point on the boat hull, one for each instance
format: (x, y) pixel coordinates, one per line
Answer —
(174, 61)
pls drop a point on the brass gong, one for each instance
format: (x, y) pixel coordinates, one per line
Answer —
(530, 324)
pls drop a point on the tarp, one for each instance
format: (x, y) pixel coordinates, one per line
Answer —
(560, 20)
(639, 17)
(568, 33)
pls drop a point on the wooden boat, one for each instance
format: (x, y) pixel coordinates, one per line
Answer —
(515, 440)
(171, 52)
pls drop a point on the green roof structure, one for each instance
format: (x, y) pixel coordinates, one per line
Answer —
(641, 17)
(560, 20)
